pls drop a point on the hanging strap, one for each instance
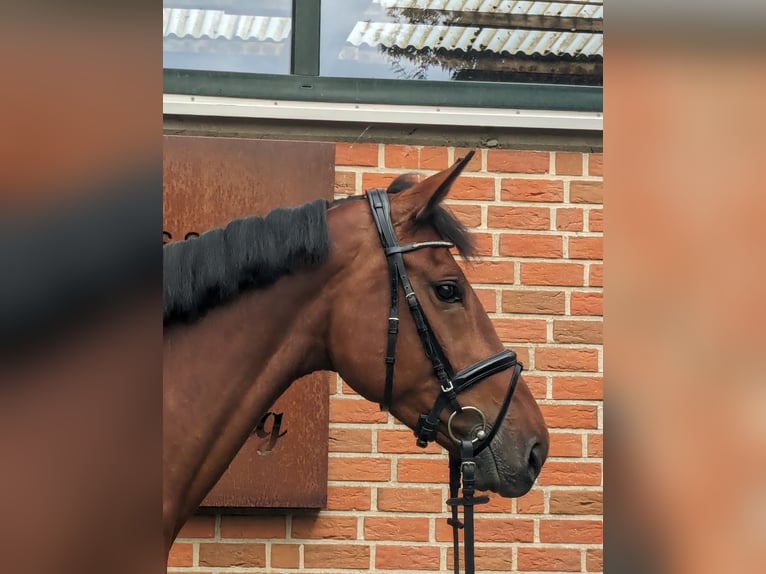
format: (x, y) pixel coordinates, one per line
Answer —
(454, 521)
(466, 467)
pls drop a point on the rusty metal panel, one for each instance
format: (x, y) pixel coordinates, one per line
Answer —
(207, 182)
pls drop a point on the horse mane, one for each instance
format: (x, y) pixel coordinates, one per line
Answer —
(249, 253)
(253, 252)
(440, 218)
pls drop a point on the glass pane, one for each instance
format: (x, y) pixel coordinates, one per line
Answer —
(483, 40)
(227, 35)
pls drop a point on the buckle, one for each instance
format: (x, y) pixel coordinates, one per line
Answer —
(449, 388)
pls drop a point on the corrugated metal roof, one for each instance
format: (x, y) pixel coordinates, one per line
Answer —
(184, 23)
(581, 9)
(471, 38)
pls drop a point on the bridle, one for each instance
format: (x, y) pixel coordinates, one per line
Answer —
(451, 383)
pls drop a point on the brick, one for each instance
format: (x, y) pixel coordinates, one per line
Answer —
(564, 444)
(571, 531)
(521, 330)
(537, 385)
(569, 219)
(488, 299)
(586, 303)
(586, 192)
(401, 528)
(496, 504)
(415, 157)
(569, 473)
(422, 470)
(355, 410)
(522, 354)
(578, 388)
(501, 272)
(345, 183)
(483, 243)
(324, 527)
(518, 217)
(348, 497)
(475, 163)
(198, 527)
(522, 245)
(402, 441)
(356, 154)
(570, 416)
(181, 554)
(517, 161)
(410, 499)
(533, 302)
(596, 164)
(476, 188)
(557, 359)
(358, 468)
(540, 190)
(493, 530)
(468, 215)
(372, 180)
(596, 220)
(584, 332)
(533, 502)
(594, 560)
(568, 163)
(554, 274)
(586, 247)
(549, 559)
(232, 554)
(348, 556)
(285, 556)
(347, 390)
(596, 445)
(253, 526)
(407, 557)
(576, 502)
(596, 275)
(490, 558)
(350, 440)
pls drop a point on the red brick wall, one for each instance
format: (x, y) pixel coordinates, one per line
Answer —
(538, 221)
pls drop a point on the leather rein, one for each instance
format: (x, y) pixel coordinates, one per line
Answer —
(462, 469)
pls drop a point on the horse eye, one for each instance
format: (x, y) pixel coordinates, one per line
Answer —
(448, 292)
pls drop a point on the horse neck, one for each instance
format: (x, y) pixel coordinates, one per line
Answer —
(224, 371)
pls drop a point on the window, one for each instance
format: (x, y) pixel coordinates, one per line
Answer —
(227, 35)
(478, 53)
(490, 41)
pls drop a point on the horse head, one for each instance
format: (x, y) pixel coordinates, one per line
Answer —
(361, 331)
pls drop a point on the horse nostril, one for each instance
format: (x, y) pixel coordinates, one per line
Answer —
(535, 460)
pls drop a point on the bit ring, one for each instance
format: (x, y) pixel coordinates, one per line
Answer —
(479, 435)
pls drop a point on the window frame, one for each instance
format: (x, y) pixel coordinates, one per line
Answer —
(305, 84)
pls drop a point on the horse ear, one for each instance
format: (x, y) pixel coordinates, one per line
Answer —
(426, 195)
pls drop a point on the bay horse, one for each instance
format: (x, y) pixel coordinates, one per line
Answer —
(251, 307)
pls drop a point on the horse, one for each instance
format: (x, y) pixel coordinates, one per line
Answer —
(253, 306)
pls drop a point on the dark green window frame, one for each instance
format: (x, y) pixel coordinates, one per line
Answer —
(305, 84)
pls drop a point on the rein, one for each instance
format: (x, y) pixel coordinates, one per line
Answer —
(451, 383)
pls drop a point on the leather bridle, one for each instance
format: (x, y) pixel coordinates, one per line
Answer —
(451, 383)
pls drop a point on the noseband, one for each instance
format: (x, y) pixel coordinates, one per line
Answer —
(451, 383)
